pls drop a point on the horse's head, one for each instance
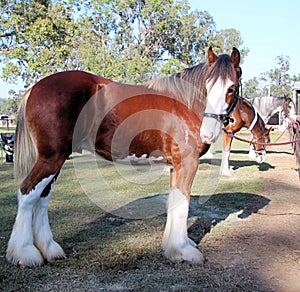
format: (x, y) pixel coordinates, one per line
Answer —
(289, 109)
(261, 137)
(222, 84)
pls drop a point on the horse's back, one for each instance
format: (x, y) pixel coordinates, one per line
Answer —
(64, 88)
(55, 103)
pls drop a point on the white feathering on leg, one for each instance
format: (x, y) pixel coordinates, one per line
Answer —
(176, 243)
(43, 237)
(21, 249)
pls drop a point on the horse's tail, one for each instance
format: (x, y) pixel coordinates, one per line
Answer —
(24, 146)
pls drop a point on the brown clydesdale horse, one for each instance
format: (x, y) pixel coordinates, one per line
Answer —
(244, 115)
(176, 117)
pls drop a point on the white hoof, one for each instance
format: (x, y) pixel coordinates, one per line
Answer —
(26, 256)
(228, 172)
(53, 252)
(188, 253)
(192, 243)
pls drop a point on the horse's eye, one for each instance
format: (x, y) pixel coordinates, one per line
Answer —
(230, 90)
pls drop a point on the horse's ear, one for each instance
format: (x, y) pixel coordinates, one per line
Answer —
(235, 57)
(212, 57)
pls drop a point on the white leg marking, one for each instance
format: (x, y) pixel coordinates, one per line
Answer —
(176, 244)
(21, 249)
(43, 238)
(252, 153)
(225, 168)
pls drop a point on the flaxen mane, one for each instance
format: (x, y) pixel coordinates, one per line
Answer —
(189, 84)
(186, 86)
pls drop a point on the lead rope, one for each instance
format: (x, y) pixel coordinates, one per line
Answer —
(231, 135)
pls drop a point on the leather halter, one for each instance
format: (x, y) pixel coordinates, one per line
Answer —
(225, 118)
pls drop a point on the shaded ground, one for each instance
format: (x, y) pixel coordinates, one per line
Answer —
(267, 243)
(248, 230)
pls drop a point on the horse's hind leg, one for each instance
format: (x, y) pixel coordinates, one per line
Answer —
(31, 239)
(42, 235)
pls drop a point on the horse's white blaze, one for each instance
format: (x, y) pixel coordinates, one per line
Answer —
(21, 249)
(216, 104)
(176, 244)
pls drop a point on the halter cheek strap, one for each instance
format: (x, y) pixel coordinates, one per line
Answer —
(254, 120)
(225, 118)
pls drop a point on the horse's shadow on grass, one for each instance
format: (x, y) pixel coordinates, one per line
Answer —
(205, 212)
(208, 211)
(236, 164)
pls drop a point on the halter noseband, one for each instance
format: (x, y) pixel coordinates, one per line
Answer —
(225, 118)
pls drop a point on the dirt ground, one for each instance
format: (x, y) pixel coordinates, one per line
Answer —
(249, 237)
(267, 242)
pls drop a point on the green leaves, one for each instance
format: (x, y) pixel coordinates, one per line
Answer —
(125, 40)
(276, 81)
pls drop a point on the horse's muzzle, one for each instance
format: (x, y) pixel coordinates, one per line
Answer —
(261, 156)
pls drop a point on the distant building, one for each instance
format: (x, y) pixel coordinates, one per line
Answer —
(6, 120)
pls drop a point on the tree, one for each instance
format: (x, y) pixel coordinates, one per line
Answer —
(225, 39)
(10, 105)
(125, 40)
(251, 88)
(36, 38)
(277, 81)
(147, 37)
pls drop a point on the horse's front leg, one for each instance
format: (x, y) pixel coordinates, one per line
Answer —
(176, 244)
(225, 166)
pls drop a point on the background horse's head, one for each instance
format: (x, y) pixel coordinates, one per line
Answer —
(221, 86)
(289, 109)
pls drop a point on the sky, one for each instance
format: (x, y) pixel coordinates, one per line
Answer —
(269, 28)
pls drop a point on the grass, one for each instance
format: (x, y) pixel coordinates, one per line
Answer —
(110, 253)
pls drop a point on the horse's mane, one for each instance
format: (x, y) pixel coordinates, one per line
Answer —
(189, 84)
(184, 85)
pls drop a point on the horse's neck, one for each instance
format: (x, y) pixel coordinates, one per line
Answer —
(267, 106)
(246, 107)
(259, 129)
(198, 106)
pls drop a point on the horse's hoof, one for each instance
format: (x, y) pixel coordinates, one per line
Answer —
(28, 256)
